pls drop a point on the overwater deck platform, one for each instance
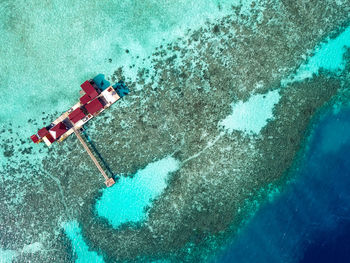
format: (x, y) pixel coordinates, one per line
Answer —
(98, 96)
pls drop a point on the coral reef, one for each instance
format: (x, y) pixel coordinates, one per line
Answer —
(185, 94)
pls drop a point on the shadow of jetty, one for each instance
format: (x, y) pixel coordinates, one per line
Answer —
(98, 155)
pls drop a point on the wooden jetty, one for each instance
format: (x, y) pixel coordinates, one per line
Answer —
(95, 100)
(108, 181)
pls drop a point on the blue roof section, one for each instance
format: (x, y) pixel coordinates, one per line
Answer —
(119, 87)
(101, 82)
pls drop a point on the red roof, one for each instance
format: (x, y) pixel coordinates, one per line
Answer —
(42, 132)
(58, 130)
(76, 115)
(89, 89)
(93, 106)
(50, 138)
(34, 138)
(85, 99)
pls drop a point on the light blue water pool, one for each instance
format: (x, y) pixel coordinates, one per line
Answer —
(127, 199)
(251, 116)
(329, 56)
(80, 248)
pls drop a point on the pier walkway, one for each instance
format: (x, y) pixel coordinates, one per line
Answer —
(108, 181)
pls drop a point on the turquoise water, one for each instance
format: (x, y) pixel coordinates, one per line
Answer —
(252, 115)
(328, 56)
(80, 248)
(7, 256)
(10, 255)
(49, 48)
(124, 202)
(127, 199)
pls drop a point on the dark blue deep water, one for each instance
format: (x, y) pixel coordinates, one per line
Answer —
(310, 220)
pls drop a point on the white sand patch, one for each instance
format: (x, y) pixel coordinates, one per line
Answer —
(7, 256)
(32, 248)
(251, 116)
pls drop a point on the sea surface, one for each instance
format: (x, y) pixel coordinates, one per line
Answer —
(310, 220)
(48, 49)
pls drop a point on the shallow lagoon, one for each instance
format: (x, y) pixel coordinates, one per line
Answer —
(80, 248)
(49, 49)
(127, 200)
(329, 56)
(252, 115)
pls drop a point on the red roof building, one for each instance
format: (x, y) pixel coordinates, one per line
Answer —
(85, 99)
(58, 130)
(34, 138)
(94, 106)
(42, 132)
(76, 115)
(50, 138)
(89, 89)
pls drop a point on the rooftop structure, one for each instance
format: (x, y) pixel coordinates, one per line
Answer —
(94, 106)
(58, 130)
(98, 96)
(76, 115)
(85, 99)
(89, 89)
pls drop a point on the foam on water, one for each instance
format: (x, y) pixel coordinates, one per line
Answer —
(127, 199)
(329, 56)
(80, 248)
(251, 116)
